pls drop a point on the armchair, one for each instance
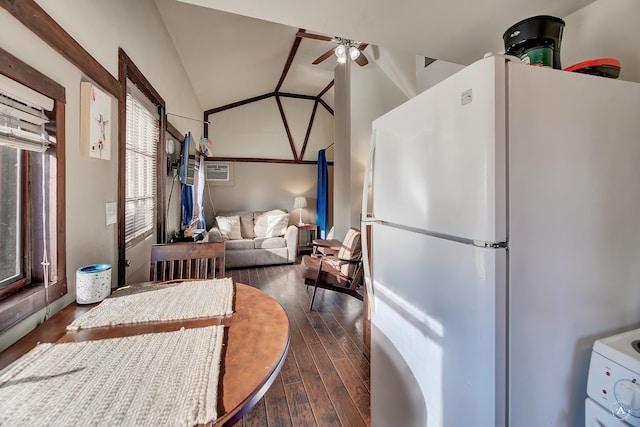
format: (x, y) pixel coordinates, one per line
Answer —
(328, 246)
(340, 273)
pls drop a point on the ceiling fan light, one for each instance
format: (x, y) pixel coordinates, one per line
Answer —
(354, 52)
(342, 59)
(341, 51)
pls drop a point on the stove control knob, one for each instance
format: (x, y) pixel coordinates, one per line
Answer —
(627, 395)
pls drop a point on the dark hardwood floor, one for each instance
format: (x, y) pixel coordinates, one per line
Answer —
(325, 378)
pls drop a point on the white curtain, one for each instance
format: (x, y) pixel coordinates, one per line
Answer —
(199, 183)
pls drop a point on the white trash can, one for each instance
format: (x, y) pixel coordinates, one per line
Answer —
(93, 283)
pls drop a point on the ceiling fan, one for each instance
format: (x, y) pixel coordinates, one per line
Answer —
(346, 47)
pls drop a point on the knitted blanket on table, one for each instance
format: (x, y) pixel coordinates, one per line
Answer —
(160, 303)
(167, 378)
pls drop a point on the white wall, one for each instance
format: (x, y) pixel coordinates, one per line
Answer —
(399, 67)
(256, 130)
(264, 186)
(342, 151)
(372, 94)
(100, 26)
(604, 29)
(433, 73)
(362, 95)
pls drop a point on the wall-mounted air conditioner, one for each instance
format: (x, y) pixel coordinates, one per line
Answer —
(218, 172)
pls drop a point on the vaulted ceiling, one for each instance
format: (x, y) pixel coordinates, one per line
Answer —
(234, 50)
(230, 58)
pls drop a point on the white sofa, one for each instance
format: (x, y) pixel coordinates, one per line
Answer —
(256, 244)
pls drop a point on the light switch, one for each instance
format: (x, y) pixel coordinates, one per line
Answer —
(112, 213)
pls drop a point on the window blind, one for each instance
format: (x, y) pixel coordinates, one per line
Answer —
(23, 115)
(141, 144)
(22, 124)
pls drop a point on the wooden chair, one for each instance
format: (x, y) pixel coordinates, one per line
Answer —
(328, 246)
(341, 273)
(186, 260)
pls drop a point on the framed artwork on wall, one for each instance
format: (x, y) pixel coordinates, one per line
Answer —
(95, 122)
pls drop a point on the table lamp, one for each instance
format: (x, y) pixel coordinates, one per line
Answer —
(298, 203)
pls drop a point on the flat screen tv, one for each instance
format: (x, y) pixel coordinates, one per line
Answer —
(186, 169)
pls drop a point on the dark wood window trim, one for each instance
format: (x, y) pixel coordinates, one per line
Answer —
(32, 16)
(23, 303)
(128, 70)
(174, 132)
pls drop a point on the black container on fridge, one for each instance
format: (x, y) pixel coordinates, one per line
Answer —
(535, 40)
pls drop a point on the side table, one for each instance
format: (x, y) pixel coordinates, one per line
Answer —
(312, 229)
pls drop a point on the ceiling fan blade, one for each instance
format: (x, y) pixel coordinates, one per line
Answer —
(323, 57)
(313, 36)
(361, 60)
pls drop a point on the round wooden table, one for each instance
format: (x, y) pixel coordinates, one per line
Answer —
(256, 345)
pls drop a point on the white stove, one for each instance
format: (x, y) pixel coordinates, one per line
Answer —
(613, 386)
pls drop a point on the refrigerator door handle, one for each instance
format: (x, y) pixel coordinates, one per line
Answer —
(368, 180)
(368, 283)
(493, 245)
(367, 218)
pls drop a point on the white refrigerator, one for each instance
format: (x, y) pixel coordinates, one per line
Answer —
(503, 206)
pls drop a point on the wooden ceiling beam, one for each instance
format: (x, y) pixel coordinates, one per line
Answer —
(296, 95)
(317, 99)
(286, 128)
(287, 65)
(261, 160)
(325, 105)
(326, 89)
(303, 33)
(306, 138)
(238, 104)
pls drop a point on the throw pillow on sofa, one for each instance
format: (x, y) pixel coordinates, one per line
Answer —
(246, 223)
(277, 225)
(229, 227)
(260, 220)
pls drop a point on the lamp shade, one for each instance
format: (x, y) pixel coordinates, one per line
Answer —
(300, 202)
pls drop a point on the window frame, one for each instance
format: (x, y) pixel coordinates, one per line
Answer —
(127, 69)
(28, 295)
